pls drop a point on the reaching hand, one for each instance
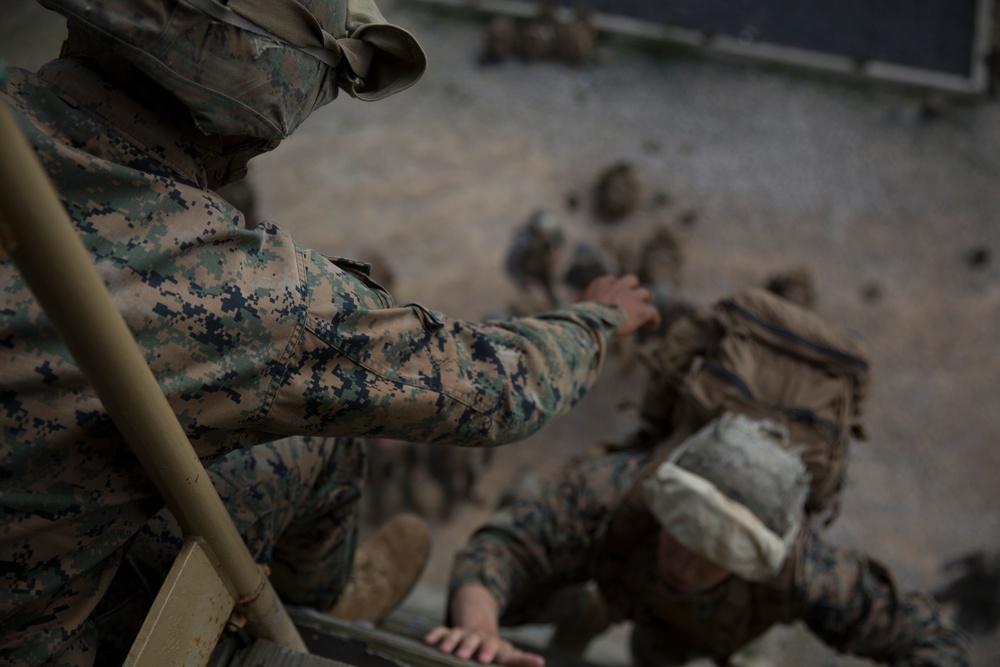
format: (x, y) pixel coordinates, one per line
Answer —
(626, 293)
(485, 648)
(476, 635)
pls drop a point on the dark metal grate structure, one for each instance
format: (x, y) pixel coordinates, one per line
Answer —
(936, 35)
(939, 44)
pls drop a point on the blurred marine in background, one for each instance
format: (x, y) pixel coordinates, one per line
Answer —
(704, 551)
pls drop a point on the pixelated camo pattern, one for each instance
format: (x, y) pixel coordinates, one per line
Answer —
(552, 538)
(251, 337)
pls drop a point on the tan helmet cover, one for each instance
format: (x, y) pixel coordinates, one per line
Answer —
(254, 67)
(691, 496)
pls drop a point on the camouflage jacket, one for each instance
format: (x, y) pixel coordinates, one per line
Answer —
(556, 536)
(250, 336)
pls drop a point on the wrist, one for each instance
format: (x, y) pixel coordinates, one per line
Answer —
(473, 607)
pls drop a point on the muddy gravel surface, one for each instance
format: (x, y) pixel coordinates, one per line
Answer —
(891, 203)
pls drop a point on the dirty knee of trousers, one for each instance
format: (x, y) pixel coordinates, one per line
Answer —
(386, 568)
(644, 653)
(579, 614)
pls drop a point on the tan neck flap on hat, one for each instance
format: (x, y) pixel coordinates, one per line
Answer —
(383, 58)
(731, 494)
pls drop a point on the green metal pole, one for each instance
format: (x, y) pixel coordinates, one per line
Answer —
(38, 235)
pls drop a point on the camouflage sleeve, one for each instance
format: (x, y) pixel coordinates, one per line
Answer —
(546, 539)
(363, 366)
(851, 602)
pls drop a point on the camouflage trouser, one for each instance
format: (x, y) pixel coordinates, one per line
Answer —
(580, 614)
(296, 503)
(643, 649)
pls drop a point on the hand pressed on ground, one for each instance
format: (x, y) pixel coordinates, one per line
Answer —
(476, 631)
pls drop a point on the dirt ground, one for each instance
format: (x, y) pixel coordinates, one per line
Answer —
(893, 210)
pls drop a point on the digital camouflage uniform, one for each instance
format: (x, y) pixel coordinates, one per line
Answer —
(557, 537)
(252, 339)
(295, 501)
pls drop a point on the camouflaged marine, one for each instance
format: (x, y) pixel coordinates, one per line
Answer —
(535, 253)
(575, 38)
(537, 39)
(617, 192)
(502, 40)
(703, 551)
(588, 260)
(540, 38)
(661, 258)
(152, 106)
(795, 284)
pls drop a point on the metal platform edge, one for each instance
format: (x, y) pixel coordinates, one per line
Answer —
(976, 84)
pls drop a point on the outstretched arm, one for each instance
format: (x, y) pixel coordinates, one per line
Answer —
(364, 366)
(475, 633)
(851, 602)
(539, 542)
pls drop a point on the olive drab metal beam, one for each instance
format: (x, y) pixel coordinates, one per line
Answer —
(36, 233)
(188, 615)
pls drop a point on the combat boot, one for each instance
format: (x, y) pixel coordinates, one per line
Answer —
(386, 567)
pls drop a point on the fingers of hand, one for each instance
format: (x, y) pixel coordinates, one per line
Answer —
(629, 280)
(470, 645)
(516, 658)
(599, 287)
(447, 639)
(495, 649)
(465, 644)
(435, 635)
(486, 650)
(641, 308)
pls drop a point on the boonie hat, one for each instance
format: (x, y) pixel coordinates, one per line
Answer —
(734, 494)
(253, 67)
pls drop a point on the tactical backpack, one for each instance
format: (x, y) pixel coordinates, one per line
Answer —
(759, 354)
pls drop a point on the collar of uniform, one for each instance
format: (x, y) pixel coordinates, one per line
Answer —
(83, 87)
